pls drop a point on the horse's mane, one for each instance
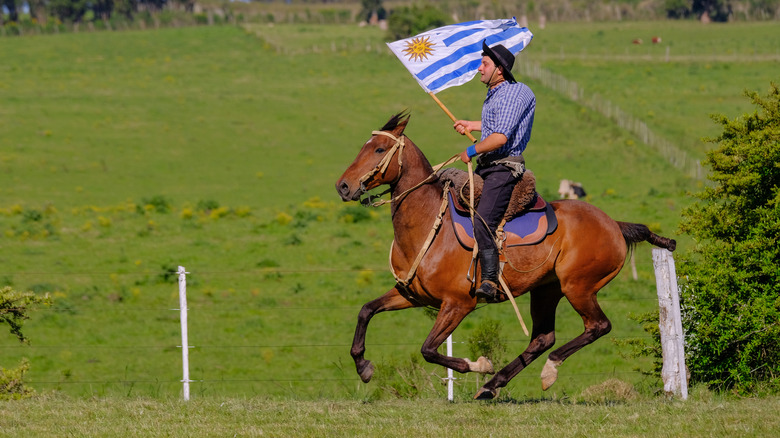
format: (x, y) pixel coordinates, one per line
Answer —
(399, 119)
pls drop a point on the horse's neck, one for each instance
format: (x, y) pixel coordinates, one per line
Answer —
(414, 214)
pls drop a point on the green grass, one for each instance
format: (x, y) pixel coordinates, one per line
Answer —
(687, 40)
(702, 415)
(95, 130)
(707, 71)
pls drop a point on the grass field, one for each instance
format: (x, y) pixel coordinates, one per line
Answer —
(126, 155)
(703, 415)
(694, 71)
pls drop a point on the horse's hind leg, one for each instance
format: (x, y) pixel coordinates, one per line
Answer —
(596, 326)
(544, 301)
(391, 300)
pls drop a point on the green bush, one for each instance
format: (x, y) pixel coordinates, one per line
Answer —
(486, 340)
(207, 205)
(14, 307)
(12, 385)
(406, 380)
(158, 203)
(407, 21)
(731, 296)
(641, 347)
(354, 214)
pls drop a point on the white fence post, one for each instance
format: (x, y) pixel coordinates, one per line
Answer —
(185, 354)
(450, 378)
(670, 324)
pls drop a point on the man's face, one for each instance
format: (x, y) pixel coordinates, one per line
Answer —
(486, 69)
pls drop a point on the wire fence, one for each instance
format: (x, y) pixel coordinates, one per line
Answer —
(80, 366)
(573, 91)
(679, 158)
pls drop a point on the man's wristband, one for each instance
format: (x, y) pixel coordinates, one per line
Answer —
(471, 151)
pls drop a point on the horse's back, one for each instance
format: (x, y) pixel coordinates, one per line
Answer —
(588, 235)
(582, 220)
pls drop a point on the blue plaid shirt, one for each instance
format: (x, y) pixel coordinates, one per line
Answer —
(508, 109)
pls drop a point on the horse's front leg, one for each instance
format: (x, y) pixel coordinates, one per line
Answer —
(392, 300)
(450, 316)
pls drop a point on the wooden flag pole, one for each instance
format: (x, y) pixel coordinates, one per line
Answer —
(452, 117)
(471, 176)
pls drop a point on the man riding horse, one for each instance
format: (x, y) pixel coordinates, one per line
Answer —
(507, 119)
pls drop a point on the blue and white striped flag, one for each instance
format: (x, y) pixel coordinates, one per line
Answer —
(450, 55)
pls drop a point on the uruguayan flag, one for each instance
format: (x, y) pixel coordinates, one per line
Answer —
(450, 55)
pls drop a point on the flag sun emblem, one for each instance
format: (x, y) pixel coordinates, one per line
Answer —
(418, 49)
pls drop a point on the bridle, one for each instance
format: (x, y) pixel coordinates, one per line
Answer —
(381, 167)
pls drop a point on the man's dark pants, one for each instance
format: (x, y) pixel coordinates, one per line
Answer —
(496, 193)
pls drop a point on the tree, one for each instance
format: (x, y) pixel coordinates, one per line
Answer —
(39, 10)
(125, 8)
(731, 296)
(68, 10)
(371, 7)
(717, 10)
(405, 21)
(13, 14)
(677, 8)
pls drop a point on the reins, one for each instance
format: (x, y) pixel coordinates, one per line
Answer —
(428, 241)
(398, 147)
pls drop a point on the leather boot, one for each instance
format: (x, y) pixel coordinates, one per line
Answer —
(488, 290)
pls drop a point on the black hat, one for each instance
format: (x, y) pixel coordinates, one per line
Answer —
(501, 56)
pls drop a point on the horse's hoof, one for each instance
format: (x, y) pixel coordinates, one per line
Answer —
(486, 394)
(367, 372)
(483, 365)
(550, 373)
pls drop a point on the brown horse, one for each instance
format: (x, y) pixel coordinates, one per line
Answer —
(585, 252)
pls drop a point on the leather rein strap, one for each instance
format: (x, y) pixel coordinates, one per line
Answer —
(381, 167)
(428, 241)
(398, 147)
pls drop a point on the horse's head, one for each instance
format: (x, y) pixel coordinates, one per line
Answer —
(378, 162)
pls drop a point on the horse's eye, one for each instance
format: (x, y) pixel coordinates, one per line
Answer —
(379, 150)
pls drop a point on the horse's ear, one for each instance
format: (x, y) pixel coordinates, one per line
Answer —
(397, 123)
(399, 130)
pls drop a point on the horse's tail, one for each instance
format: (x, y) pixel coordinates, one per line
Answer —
(635, 233)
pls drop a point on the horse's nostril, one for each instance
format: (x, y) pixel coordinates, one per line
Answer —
(343, 188)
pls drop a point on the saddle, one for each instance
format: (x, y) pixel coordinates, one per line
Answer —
(527, 221)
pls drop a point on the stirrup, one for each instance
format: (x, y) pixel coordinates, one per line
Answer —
(488, 290)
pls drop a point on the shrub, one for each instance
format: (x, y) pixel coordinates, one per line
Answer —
(206, 205)
(14, 307)
(12, 385)
(158, 203)
(169, 274)
(731, 297)
(407, 380)
(354, 214)
(405, 21)
(641, 347)
(486, 340)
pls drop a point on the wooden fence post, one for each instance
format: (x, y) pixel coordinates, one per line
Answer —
(674, 374)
